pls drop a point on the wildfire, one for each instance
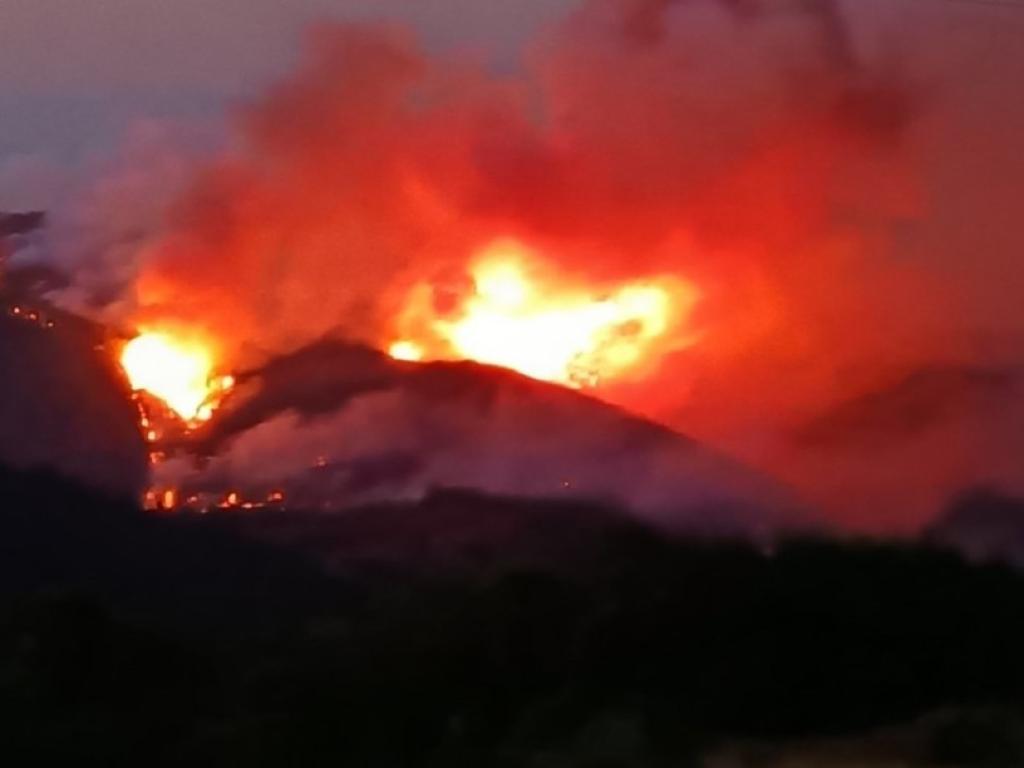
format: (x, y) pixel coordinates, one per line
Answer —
(179, 372)
(172, 500)
(406, 350)
(519, 316)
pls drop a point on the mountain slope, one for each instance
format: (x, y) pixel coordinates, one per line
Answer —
(336, 425)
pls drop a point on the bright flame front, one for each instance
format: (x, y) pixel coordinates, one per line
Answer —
(179, 372)
(517, 315)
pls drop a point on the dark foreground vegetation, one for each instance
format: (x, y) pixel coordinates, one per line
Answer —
(129, 640)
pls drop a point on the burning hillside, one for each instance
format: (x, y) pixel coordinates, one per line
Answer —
(335, 425)
(732, 219)
(178, 372)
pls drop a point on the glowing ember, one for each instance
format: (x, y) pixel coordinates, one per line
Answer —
(178, 372)
(155, 500)
(519, 317)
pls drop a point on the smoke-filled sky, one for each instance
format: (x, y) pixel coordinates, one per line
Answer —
(75, 74)
(841, 180)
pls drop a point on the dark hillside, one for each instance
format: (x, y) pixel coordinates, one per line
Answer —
(220, 640)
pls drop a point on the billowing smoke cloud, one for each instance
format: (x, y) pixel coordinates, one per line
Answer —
(808, 170)
(377, 164)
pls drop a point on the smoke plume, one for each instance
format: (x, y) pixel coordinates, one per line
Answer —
(805, 164)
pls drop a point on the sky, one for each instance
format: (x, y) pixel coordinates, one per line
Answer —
(78, 76)
(74, 74)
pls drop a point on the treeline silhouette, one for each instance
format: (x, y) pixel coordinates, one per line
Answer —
(128, 639)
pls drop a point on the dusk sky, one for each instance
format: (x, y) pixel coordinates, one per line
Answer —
(75, 73)
(77, 76)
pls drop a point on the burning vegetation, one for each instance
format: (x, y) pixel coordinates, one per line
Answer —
(177, 371)
(175, 390)
(31, 315)
(172, 500)
(514, 313)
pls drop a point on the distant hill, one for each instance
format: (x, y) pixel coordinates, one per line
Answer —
(984, 524)
(918, 402)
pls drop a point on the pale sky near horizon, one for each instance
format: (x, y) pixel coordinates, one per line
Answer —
(75, 74)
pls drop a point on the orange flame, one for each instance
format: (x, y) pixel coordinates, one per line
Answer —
(180, 372)
(409, 351)
(519, 317)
